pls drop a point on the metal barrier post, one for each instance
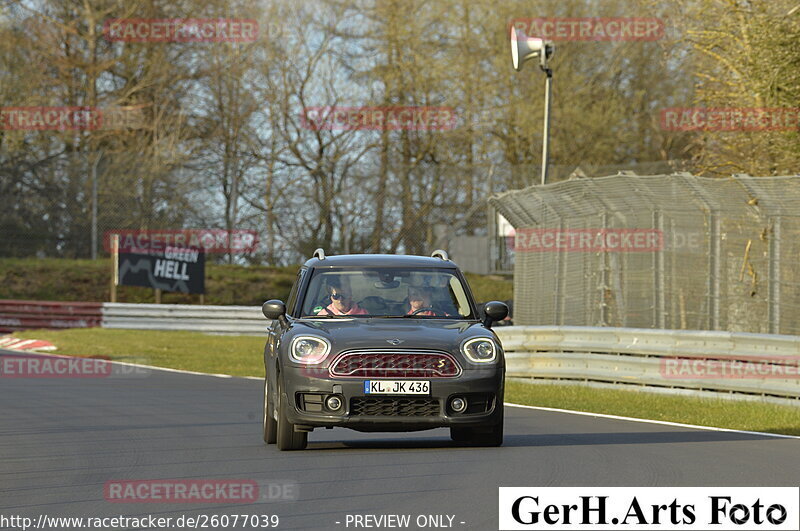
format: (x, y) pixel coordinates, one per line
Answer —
(714, 249)
(561, 267)
(658, 273)
(605, 287)
(775, 277)
(114, 266)
(715, 271)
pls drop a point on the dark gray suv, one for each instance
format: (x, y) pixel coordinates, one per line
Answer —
(382, 343)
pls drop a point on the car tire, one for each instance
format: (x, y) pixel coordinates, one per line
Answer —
(493, 436)
(287, 438)
(460, 435)
(270, 425)
(489, 436)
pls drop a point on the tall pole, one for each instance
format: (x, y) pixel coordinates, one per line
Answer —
(524, 48)
(114, 266)
(94, 211)
(94, 204)
(546, 133)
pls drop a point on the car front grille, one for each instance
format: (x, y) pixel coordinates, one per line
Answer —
(394, 407)
(386, 363)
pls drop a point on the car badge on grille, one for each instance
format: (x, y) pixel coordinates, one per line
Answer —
(394, 342)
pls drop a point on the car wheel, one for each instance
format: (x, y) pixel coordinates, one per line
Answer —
(287, 438)
(489, 436)
(460, 435)
(493, 436)
(270, 425)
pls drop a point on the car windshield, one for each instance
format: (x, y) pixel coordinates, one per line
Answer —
(415, 293)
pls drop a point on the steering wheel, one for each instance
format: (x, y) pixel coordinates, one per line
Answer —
(327, 311)
(427, 309)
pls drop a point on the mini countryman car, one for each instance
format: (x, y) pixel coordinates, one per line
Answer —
(382, 343)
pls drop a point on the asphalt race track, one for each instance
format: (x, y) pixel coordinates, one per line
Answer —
(62, 439)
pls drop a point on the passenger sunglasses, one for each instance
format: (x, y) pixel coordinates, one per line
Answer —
(339, 296)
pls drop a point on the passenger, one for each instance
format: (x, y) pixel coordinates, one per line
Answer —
(341, 301)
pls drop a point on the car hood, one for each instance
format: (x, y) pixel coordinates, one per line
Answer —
(436, 334)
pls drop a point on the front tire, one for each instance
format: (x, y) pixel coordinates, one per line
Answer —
(460, 435)
(287, 438)
(489, 436)
(270, 425)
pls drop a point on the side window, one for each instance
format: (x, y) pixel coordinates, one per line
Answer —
(290, 302)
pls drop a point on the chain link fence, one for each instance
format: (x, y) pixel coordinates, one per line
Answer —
(661, 251)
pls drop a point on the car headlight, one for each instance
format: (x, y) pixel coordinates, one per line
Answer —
(309, 349)
(480, 350)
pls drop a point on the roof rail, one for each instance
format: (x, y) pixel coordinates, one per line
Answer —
(319, 253)
(438, 253)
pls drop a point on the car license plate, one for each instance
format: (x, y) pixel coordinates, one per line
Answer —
(397, 387)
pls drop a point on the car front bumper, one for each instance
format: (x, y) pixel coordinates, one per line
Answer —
(482, 388)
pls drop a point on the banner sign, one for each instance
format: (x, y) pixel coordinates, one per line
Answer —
(179, 269)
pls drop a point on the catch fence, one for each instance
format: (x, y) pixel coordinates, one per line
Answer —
(662, 251)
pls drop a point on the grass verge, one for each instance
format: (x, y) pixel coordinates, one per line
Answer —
(242, 356)
(188, 351)
(750, 415)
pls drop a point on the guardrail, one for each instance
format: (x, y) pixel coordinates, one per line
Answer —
(754, 364)
(211, 319)
(25, 315)
(731, 362)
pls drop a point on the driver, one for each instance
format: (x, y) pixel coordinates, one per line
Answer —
(342, 302)
(419, 298)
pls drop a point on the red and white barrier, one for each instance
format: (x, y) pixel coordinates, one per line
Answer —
(28, 315)
(14, 343)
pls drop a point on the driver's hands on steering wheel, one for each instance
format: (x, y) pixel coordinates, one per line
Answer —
(426, 309)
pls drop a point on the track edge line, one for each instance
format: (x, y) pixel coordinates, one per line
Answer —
(651, 421)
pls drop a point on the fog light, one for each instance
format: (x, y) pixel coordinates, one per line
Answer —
(459, 405)
(333, 402)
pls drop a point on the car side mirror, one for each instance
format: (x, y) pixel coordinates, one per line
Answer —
(274, 309)
(494, 311)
